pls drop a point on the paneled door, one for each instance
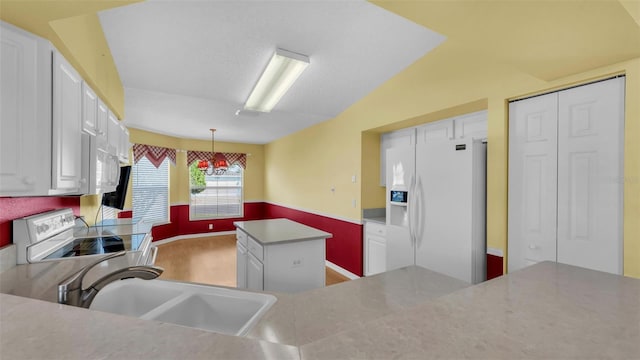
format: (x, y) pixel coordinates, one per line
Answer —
(590, 173)
(532, 180)
(566, 177)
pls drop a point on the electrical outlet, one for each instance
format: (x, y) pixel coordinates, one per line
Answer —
(297, 263)
(210, 226)
(353, 202)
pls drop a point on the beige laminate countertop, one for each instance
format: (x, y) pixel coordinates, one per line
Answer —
(547, 310)
(274, 231)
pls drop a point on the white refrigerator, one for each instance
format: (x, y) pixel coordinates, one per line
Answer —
(441, 225)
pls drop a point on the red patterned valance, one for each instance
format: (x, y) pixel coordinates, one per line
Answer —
(232, 158)
(154, 154)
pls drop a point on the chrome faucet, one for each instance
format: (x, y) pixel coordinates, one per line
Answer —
(70, 290)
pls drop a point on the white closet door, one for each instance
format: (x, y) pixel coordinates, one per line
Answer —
(590, 173)
(532, 180)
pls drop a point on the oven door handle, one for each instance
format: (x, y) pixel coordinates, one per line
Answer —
(154, 254)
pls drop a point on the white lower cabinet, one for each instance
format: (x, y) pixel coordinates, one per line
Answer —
(375, 249)
(290, 266)
(255, 273)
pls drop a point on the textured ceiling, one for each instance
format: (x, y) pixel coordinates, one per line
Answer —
(188, 66)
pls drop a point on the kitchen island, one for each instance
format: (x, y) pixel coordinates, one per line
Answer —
(547, 310)
(280, 255)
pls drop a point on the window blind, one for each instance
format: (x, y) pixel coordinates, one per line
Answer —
(150, 190)
(221, 197)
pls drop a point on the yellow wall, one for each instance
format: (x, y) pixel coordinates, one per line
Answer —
(302, 167)
(179, 174)
(494, 51)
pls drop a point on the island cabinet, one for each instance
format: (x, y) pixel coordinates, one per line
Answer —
(280, 255)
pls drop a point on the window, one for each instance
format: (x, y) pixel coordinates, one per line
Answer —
(150, 190)
(215, 196)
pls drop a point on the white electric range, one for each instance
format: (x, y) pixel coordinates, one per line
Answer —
(53, 235)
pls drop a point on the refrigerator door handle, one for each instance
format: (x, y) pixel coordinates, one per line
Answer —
(420, 220)
(410, 205)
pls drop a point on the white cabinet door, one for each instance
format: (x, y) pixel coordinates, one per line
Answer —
(113, 134)
(102, 126)
(111, 170)
(590, 173)
(89, 110)
(439, 130)
(255, 273)
(241, 266)
(67, 125)
(25, 113)
(399, 138)
(123, 148)
(376, 255)
(471, 126)
(532, 180)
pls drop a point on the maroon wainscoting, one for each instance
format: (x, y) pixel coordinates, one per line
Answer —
(494, 266)
(14, 208)
(125, 214)
(181, 225)
(343, 249)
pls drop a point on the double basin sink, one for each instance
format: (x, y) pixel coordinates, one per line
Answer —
(210, 308)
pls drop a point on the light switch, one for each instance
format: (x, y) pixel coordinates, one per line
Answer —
(353, 178)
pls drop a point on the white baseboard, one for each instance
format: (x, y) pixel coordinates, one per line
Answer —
(8, 257)
(495, 252)
(341, 270)
(191, 236)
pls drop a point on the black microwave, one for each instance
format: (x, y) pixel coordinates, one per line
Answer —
(398, 196)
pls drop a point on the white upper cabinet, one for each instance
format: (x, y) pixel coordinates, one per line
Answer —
(471, 126)
(467, 126)
(439, 130)
(89, 110)
(113, 134)
(123, 149)
(404, 137)
(46, 110)
(102, 126)
(67, 125)
(25, 113)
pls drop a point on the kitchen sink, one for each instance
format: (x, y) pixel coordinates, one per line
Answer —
(210, 308)
(133, 297)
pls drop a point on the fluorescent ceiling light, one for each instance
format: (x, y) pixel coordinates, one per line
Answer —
(281, 72)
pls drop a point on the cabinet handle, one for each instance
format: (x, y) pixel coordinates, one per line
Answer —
(28, 180)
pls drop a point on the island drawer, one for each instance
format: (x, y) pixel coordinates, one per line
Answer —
(241, 236)
(255, 248)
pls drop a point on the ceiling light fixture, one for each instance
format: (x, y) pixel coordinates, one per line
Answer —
(218, 164)
(281, 72)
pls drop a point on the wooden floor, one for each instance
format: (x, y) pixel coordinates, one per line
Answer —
(208, 260)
